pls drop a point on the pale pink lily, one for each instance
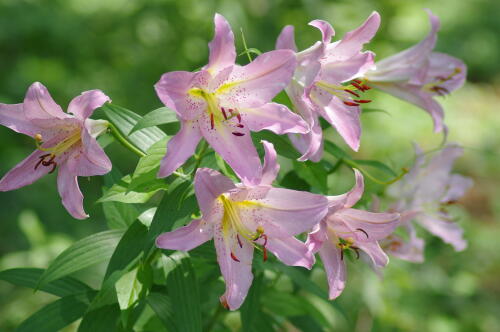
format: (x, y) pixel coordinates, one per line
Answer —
(240, 218)
(425, 192)
(64, 141)
(345, 228)
(224, 102)
(326, 83)
(418, 74)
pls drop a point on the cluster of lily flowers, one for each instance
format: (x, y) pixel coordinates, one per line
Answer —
(223, 103)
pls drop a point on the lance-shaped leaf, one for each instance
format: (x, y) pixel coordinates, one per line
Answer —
(162, 306)
(101, 320)
(160, 116)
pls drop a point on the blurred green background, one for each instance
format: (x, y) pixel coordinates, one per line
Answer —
(123, 46)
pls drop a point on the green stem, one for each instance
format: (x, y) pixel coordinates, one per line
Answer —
(245, 45)
(354, 164)
(120, 138)
(199, 156)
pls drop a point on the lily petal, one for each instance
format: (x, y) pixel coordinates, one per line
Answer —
(327, 31)
(343, 71)
(38, 104)
(235, 146)
(237, 274)
(271, 167)
(286, 39)
(208, 185)
(186, 238)
(444, 65)
(24, 173)
(258, 82)
(67, 184)
(291, 251)
(457, 187)
(335, 269)
(180, 148)
(378, 257)
(13, 117)
(274, 117)
(92, 159)
(84, 105)
(364, 226)
(222, 51)
(448, 231)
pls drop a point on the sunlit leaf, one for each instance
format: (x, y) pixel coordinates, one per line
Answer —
(157, 117)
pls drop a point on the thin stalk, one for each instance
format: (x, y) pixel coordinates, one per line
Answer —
(123, 141)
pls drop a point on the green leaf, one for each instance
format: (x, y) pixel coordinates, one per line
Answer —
(281, 143)
(101, 320)
(378, 165)
(335, 150)
(128, 289)
(125, 120)
(92, 250)
(121, 192)
(119, 215)
(157, 117)
(283, 304)
(301, 279)
(58, 314)
(162, 306)
(182, 286)
(28, 277)
(373, 110)
(250, 310)
(313, 173)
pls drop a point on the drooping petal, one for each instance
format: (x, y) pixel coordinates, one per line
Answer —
(274, 117)
(24, 173)
(448, 231)
(411, 250)
(286, 39)
(173, 90)
(92, 159)
(186, 238)
(310, 144)
(316, 237)
(282, 212)
(38, 104)
(236, 267)
(335, 269)
(448, 71)
(353, 41)
(180, 148)
(222, 51)
(84, 105)
(12, 116)
(414, 95)
(343, 71)
(208, 185)
(378, 257)
(271, 167)
(67, 185)
(291, 251)
(406, 64)
(258, 82)
(457, 187)
(363, 226)
(235, 146)
(327, 31)
(350, 198)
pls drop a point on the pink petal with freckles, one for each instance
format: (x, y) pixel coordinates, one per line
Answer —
(67, 185)
(235, 146)
(345, 119)
(327, 31)
(448, 231)
(24, 173)
(271, 167)
(180, 148)
(38, 104)
(283, 212)
(353, 41)
(378, 257)
(84, 105)
(404, 65)
(291, 251)
(416, 96)
(173, 90)
(208, 185)
(286, 39)
(13, 117)
(335, 269)
(274, 117)
(237, 275)
(222, 51)
(258, 82)
(186, 238)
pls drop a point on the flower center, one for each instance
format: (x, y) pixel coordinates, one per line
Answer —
(436, 85)
(216, 113)
(349, 94)
(235, 229)
(47, 160)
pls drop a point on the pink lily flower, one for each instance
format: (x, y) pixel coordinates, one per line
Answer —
(326, 83)
(224, 102)
(345, 228)
(240, 218)
(65, 141)
(418, 74)
(423, 195)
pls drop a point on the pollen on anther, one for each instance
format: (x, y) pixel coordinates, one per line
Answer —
(349, 103)
(362, 101)
(234, 257)
(235, 133)
(352, 92)
(223, 113)
(211, 120)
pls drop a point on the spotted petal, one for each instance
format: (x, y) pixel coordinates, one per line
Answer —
(24, 173)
